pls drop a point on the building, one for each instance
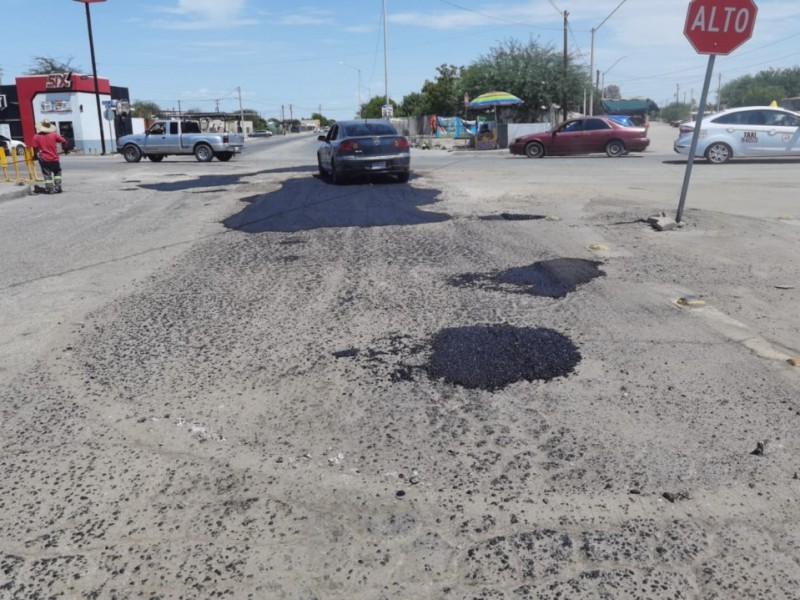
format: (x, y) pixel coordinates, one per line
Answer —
(69, 101)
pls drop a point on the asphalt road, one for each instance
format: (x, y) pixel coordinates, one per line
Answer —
(238, 380)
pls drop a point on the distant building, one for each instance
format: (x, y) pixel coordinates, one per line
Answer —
(69, 101)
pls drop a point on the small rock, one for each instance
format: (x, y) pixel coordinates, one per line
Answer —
(691, 301)
(675, 496)
(665, 224)
(795, 362)
(761, 449)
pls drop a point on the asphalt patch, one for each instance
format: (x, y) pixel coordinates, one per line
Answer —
(512, 217)
(302, 205)
(203, 181)
(490, 357)
(553, 278)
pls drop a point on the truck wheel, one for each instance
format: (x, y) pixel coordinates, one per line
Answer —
(224, 156)
(156, 157)
(132, 153)
(203, 152)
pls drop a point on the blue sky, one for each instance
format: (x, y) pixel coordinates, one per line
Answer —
(308, 53)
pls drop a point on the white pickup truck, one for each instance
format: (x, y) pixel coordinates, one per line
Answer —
(179, 137)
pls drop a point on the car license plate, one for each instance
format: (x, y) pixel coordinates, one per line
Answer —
(379, 165)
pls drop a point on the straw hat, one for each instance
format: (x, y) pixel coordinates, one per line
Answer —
(45, 127)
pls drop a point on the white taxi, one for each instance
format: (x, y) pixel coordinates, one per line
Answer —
(748, 131)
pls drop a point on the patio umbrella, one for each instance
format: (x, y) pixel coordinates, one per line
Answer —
(493, 100)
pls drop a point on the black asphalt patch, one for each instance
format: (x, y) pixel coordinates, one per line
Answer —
(490, 357)
(548, 278)
(512, 217)
(302, 205)
(199, 182)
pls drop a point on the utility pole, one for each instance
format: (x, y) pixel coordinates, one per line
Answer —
(719, 90)
(677, 93)
(241, 111)
(385, 60)
(566, 66)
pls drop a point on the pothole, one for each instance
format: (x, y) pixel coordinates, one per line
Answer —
(548, 278)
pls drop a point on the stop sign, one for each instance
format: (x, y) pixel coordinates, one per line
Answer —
(719, 26)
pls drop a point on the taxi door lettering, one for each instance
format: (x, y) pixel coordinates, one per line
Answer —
(750, 137)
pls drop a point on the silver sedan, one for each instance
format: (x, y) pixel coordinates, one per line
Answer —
(750, 131)
(363, 147)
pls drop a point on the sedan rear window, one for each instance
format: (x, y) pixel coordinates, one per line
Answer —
(367, 129)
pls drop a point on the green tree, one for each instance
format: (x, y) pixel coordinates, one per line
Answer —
(676, 112)
(256, 119)
(414, 105)
(145, 109)
(323, 121)
(443, 95)
(373, 108)
(532, 72)
(761, 88)
(45, 65)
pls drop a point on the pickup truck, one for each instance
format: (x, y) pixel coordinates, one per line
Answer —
(179, 137)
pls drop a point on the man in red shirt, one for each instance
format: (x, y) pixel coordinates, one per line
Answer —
(45, 143)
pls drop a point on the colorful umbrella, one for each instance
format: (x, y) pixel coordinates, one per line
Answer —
(490, 99)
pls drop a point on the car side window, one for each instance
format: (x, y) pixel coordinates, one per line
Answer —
(571, 126)
(173, 128)
(595, 124)
(333, 133)
(157, 129)
(738, 118)
(781, 119)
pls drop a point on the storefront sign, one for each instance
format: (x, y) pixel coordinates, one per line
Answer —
(59, 81)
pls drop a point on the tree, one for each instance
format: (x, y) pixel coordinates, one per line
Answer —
(413, 105)
(45, 65)
(255, 118)
(144, 109)
(323, 121)
(443, 95)
(761, 88)
(676, 112)
(530, 71)
(373, 108)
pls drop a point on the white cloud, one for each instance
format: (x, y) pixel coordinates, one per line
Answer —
(204, 14)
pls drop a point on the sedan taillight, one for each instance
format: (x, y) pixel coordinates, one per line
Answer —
(349, 146)
(400, 143)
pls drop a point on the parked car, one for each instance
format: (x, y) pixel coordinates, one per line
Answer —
(583, 136)
(748, 131)
(362, 147)
(12, 146)
(261, 133)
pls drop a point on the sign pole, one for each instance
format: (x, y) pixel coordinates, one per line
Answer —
(695, 136)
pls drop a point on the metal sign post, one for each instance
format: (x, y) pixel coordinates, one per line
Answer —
(713, 27)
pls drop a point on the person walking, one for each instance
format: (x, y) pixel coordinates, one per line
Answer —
(45, 142)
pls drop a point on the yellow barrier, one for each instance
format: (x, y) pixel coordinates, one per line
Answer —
(30, 165)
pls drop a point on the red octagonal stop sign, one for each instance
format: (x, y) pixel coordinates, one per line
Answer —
(719, 26)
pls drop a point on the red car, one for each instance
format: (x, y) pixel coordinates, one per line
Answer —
(583, 136)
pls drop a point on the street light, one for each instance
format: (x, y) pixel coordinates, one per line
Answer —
(359, 84)
(591, 60)
(94, 71)
(603, 79)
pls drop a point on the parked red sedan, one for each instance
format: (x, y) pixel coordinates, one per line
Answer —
(583, 136)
